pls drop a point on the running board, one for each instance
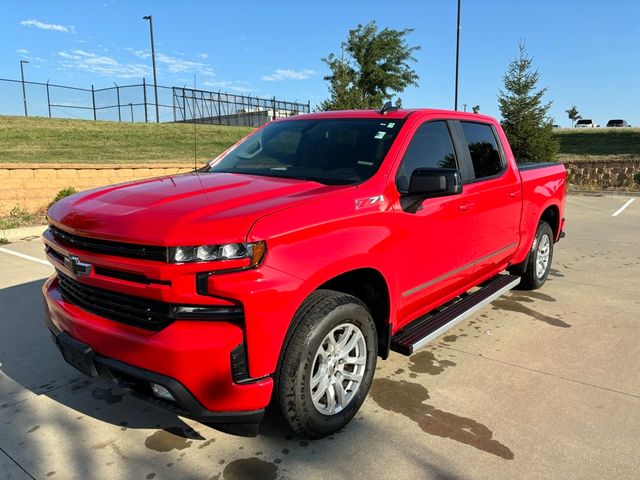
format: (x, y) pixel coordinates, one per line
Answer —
(424, 329)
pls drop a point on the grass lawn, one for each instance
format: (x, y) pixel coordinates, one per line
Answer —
(44, 140)
(599, 141)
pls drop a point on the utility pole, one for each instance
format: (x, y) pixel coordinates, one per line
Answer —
(153, 63)
(24, 91)
(457, 56)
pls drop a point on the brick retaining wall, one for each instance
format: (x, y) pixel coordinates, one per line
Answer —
(33, 186)
(603, 175)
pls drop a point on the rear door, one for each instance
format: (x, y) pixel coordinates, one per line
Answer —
(495, 190)
(434, 236)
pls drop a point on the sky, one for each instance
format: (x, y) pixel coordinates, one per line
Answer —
(586, 51)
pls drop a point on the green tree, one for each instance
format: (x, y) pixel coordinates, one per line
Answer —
(374, 65)
(573, 115)
(525, 118)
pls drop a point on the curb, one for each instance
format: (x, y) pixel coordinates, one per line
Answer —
(23, 233)
(587, 193)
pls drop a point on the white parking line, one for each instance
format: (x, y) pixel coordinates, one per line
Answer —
(26, 257)
(621, 209)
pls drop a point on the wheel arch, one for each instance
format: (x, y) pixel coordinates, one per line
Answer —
(371, 288)
(551, 215)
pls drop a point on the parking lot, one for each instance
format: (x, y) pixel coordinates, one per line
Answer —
(542, 384)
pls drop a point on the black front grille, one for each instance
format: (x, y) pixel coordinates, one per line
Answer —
(141, 312)
(132, 250)
(137, 311)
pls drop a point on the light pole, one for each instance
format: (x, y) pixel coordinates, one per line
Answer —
(153, 62)
(24, 91)
(457, 55)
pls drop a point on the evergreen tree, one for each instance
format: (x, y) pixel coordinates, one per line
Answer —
(373, 66)
(525, 118)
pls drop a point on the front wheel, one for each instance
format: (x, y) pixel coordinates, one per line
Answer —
(327, 365)
(539, 261)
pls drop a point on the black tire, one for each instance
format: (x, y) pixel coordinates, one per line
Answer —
(531, 279)
(321, 313)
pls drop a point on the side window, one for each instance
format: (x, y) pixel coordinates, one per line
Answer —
(483, 149)
(430, 147)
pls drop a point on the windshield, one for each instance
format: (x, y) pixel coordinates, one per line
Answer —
(330, 151)
(584, 122)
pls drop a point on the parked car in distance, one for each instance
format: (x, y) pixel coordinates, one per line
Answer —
(585, 123)
(283, 269)
(617, 123)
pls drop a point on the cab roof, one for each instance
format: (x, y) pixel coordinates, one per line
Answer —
(394, 114)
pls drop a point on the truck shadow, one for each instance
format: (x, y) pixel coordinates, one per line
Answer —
(32, 362)
(32, 367)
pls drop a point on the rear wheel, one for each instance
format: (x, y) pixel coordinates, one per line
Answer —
(540, 258)
(328, 364)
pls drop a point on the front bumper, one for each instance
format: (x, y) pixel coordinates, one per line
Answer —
(191, 359)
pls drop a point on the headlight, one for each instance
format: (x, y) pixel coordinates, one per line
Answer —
(210, 253)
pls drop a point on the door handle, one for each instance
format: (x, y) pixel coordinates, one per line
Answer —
(514, 194)
(466, 206)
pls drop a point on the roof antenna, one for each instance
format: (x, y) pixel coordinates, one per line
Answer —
(388, 107)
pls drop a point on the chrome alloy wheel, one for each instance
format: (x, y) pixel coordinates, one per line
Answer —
(542, 255)
(338, 369)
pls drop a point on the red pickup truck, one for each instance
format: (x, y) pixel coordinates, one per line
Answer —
(280, 272)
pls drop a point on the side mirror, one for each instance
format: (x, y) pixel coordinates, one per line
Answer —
(435, 182)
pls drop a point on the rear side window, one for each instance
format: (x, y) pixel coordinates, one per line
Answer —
(430, 147)
(483, 149)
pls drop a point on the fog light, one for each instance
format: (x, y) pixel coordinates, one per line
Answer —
(161, 392)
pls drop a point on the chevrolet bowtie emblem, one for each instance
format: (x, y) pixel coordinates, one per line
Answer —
(76, 266)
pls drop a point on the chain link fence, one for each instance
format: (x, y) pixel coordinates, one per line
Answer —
(137, 103)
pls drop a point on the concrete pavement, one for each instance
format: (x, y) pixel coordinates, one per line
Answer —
(541, 384)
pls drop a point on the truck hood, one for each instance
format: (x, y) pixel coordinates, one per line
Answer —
(188, 209)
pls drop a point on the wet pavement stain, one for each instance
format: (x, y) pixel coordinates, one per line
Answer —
(406, 398)
(80, 385)
(426, 362)
(512, 305)
(250, 469)
(112, 444)
(107, 395)
(168, 439)
(450, 338)
(150, 476)
(206, 444)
